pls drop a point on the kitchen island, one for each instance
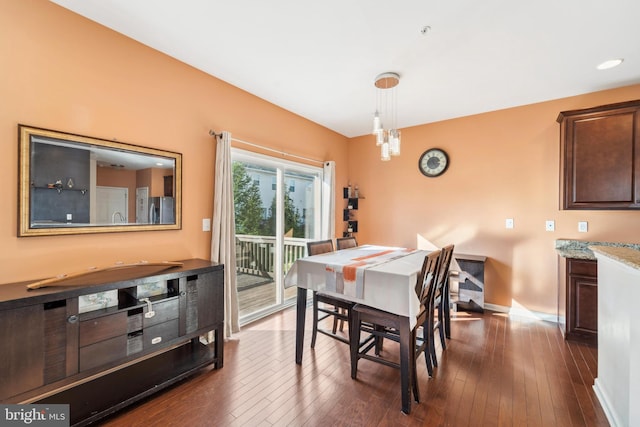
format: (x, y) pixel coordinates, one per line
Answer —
(578, 288)
(618, 382)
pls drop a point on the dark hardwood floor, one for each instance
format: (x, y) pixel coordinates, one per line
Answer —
(496, 371)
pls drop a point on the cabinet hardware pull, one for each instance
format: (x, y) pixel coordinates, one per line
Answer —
(156, 340)
(72, 319)
(150, 313)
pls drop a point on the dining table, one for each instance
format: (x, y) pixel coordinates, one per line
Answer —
(381, 277)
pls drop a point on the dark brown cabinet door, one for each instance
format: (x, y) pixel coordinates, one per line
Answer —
(168, 186)
(582, 300)
(21, 353)
(200, 307)
(600, 157)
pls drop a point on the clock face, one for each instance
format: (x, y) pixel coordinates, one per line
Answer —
(433, 162)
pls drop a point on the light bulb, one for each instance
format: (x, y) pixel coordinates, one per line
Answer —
(377, 125)
(384, 152)
(394, 142)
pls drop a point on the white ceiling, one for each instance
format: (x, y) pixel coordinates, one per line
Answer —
(319, 59)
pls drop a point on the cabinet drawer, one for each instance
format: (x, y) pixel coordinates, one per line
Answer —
(583, 268)
(134, 322)
(102, 328)
(134, 343)
(103, 352)
(158, 335)
(165, 310)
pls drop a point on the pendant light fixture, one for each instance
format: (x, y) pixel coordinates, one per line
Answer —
(388, 139)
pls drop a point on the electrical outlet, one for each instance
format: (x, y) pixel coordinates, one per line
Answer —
(508, 223)
(583, 226)
(550, 226)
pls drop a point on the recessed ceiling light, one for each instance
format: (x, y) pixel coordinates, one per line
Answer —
(610, 64)
(159, 164)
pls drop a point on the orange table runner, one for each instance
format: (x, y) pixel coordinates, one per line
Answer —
(348, 277)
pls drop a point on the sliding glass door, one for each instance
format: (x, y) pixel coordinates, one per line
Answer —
(278, 209)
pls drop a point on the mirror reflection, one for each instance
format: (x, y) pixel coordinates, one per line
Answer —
(73, 184)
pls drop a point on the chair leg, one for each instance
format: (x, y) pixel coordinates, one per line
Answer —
(427, 349)
(314, 334)
(432, 350)
(441, 327)
(334, 328)
(341, 322)
(338, 324)
(354, 342)
(432, 341)
(447, 310)
(414, 370)
(378, 339)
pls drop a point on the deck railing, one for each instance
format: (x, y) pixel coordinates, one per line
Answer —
(255, 255)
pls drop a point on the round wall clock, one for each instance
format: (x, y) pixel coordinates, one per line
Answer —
(433, 162)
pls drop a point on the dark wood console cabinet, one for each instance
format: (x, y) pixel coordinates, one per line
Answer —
(600, 157)
(578, 303)
(57, 349)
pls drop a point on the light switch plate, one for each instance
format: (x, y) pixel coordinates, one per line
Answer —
(206, 224)
(508, 223)
(583, 226)
(550, 225)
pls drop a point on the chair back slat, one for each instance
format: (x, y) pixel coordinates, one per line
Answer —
(346, 242)
(427, 277)
(319, 247)
(443, 269)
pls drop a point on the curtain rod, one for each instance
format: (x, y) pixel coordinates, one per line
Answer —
(262, 147)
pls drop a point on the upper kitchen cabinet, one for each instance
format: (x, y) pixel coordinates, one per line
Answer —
(600, 157)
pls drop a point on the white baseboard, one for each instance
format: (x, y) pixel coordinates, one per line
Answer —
(606, 404)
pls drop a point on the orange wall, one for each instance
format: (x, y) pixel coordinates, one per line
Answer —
(61, 71)
(503, 164)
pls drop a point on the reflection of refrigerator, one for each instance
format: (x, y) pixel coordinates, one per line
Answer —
(161, 210)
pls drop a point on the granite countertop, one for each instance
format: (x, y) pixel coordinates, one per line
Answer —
(625, 255)
(580, 249)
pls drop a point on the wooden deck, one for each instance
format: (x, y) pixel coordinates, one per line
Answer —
(256, 293)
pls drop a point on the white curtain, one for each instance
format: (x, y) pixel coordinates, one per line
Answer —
(223, 238)
(328, 200)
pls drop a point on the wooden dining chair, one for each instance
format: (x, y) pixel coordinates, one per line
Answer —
(328, 305)
(384, 325)
(346, 242)
(437, 320)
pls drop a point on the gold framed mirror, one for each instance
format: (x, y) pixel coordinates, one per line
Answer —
(75, 184)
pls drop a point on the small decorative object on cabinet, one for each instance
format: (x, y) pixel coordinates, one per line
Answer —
(598, 157)
(348, 214)
(136, 332)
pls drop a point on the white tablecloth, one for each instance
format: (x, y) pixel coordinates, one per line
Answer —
(388, 286)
